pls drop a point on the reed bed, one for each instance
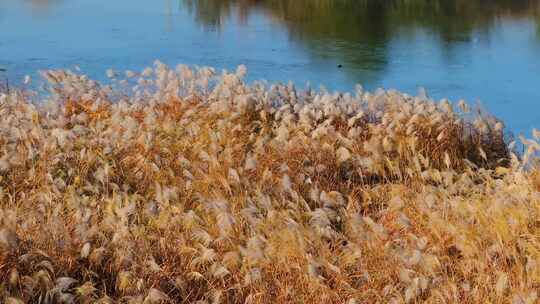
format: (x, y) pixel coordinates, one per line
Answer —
(185, 186)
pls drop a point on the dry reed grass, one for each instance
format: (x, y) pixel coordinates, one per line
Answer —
(180, 186)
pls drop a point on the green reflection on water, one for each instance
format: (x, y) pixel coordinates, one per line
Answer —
(358, 32)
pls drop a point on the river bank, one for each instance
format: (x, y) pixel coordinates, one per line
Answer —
(180, 185)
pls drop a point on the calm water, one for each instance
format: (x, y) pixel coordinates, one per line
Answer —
(477, 50)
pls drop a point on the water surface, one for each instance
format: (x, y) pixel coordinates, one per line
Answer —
(473, 49)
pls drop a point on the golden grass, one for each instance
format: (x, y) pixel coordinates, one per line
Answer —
(233, 193)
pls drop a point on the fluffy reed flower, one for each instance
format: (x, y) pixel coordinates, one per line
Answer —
(196, 187)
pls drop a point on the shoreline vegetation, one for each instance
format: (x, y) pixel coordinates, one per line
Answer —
(181, 185)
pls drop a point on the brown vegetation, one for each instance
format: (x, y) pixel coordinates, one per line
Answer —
(228, 193)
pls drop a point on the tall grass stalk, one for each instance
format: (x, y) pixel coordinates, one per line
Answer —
(181, 185)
